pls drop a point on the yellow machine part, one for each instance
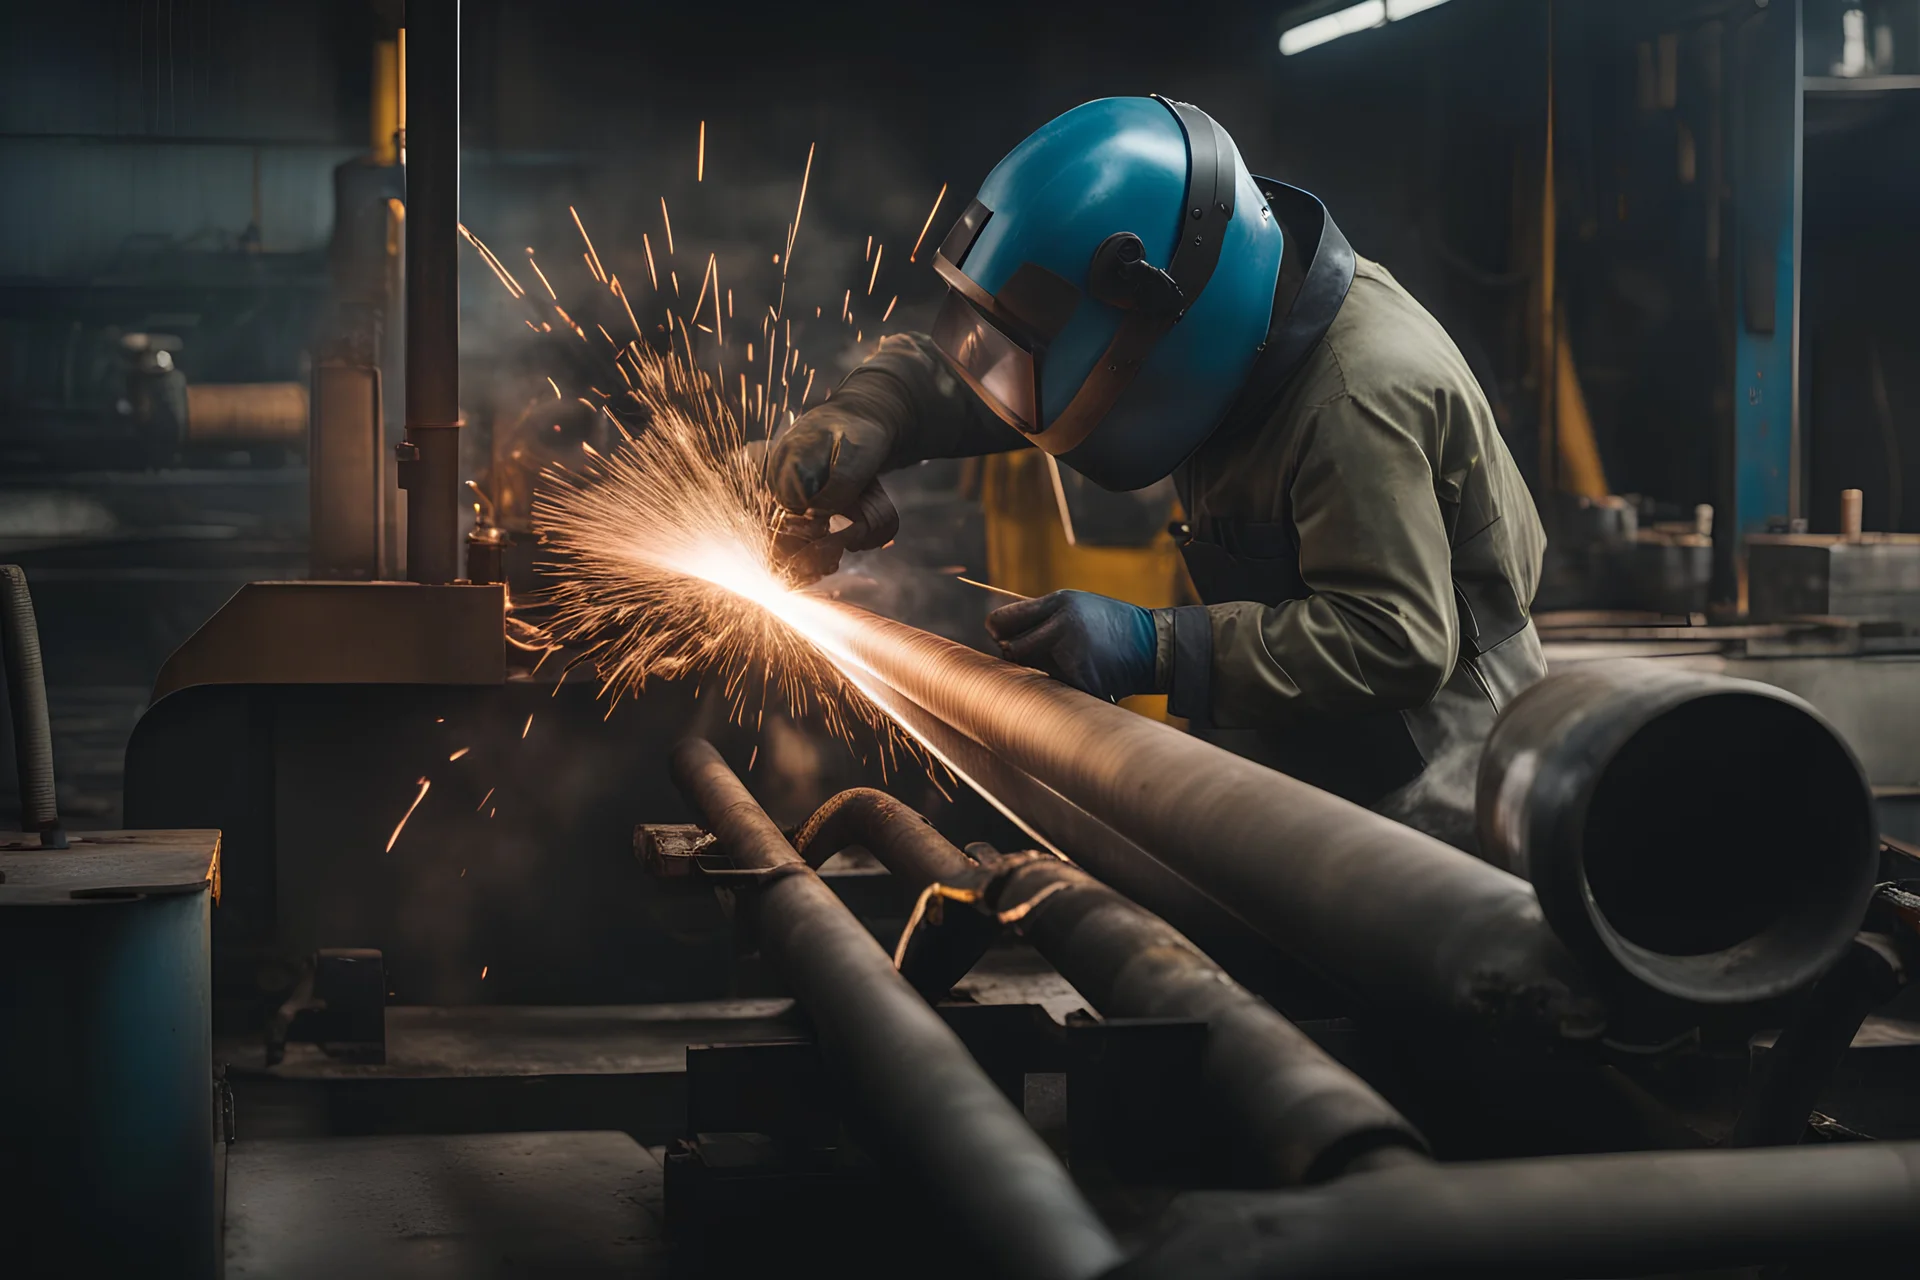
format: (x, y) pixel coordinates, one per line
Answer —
(1028, 552)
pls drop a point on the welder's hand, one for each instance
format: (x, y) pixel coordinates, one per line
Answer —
(1094, 643)
(826, 460)
(809, 546)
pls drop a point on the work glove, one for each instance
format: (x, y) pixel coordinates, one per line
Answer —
(825, 461)
(1099, 645)
(808, 547)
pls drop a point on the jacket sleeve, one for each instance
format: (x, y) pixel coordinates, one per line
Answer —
(908, 384)
(1379, 630)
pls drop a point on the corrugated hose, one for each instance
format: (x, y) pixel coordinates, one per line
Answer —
(27, 699)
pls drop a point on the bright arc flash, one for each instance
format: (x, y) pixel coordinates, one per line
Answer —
(667, 567)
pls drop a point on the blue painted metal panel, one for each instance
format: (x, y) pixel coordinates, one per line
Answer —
(107, 1139)
(1766, 85)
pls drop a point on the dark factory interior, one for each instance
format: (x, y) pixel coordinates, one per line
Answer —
(1061, 640)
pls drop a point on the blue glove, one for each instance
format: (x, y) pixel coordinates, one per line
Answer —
(1102, 646)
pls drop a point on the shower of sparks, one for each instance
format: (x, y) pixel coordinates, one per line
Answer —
(915, 255)
(394, 838)
(664, 543)
(668, 566)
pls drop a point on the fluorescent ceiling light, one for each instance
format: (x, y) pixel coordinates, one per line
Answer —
(1344, 22)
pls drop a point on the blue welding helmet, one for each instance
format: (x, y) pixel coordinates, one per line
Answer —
(1112, 286)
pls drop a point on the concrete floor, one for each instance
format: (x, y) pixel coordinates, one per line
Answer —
(421, 1207)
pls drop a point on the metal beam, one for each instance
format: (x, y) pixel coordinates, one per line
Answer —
(1761, 469)
(430, 456)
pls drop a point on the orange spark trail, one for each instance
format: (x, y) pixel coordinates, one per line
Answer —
(456, 755)
(618, 292)
(499, 269)
(651, 273)
(915, 255)
(593, 258)
(424, 784)
(527, 726)
(669, 223)
(483, 799)
(543, 276)
(794, 230)
(890, 306)
(876, 270)
(700, 170)
(704, 277)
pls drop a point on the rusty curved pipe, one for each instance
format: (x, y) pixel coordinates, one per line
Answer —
(1300, 1115)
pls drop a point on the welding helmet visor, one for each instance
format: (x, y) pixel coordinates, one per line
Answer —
(1002, 368)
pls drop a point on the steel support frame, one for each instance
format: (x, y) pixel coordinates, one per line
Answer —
(1761, 475)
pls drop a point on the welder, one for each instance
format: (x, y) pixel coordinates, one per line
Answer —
(1125, 295)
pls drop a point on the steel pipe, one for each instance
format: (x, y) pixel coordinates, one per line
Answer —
(932, 1108)
(1404, 921)
(1301, 1115)
(1642, 1213)
(1712, 838)
(430, 455)
(892, 831)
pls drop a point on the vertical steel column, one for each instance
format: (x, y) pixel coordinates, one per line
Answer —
(1761, 480)
(430, 455)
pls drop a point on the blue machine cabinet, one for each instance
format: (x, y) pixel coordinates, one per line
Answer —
(108, 1134)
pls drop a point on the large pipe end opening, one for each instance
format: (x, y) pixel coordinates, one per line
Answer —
(1712, 837)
